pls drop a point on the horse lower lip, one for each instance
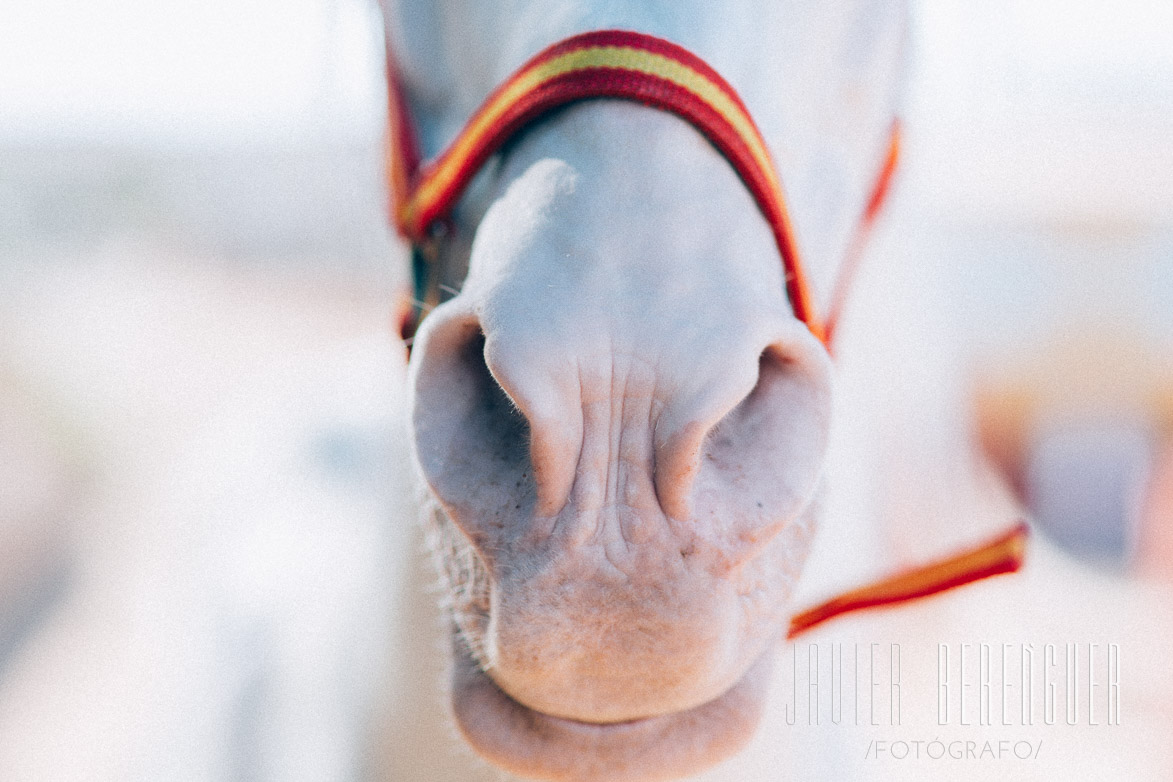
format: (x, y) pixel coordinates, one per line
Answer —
(599, 725)
(667, 746)
(598, 728)
(534, 716)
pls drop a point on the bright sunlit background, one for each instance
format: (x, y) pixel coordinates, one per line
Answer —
(190, 75)
(236, 129)
(1061, 107)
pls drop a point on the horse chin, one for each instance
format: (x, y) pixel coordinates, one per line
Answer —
(534, 745)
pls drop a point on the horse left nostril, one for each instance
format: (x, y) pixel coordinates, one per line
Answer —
(752, 465)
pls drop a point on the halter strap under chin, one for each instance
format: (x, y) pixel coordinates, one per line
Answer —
(602, 64)
(655, 72)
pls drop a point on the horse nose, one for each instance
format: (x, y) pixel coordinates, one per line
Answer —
(509, 428)
(613, 501)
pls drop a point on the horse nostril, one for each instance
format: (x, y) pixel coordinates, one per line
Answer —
(493, 419)
(767, 453)
(471, 440)
(747, 460)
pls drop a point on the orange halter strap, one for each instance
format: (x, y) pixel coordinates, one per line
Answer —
(658, 73)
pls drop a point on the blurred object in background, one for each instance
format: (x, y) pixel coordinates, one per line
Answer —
(1079, 428)
(1156, 534)
(42, 478)
(1047, 162)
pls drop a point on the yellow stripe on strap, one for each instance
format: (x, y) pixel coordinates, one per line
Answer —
(440, 177)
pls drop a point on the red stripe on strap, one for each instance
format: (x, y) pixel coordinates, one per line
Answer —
(403, 152)
(863, 231)
(605, 82)
(1003, 554)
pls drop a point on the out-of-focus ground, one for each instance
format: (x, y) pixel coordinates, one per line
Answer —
(199, 465)
(206, 458)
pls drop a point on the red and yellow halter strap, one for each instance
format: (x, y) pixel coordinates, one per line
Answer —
(1002, 554)
(658, 73)
(605, 64)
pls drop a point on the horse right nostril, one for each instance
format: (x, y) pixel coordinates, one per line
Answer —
(494, 423)
(471, 440)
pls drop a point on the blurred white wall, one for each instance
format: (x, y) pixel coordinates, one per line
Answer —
(237, 131)
(187, 73)
(1047, 109)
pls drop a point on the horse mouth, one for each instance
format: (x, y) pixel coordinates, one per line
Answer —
(535, 745)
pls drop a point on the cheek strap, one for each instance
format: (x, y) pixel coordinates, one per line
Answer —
(1003, 554)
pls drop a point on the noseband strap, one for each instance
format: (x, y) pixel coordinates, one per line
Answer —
(602, 64)
(658, 73)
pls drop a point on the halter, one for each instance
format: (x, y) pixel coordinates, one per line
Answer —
(658, 73)
(605, 64)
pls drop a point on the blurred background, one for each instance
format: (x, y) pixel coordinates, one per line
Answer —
(197, 374)
(197, 289)
(1042, 159)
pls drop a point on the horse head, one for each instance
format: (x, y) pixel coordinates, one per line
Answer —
(620, 421)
